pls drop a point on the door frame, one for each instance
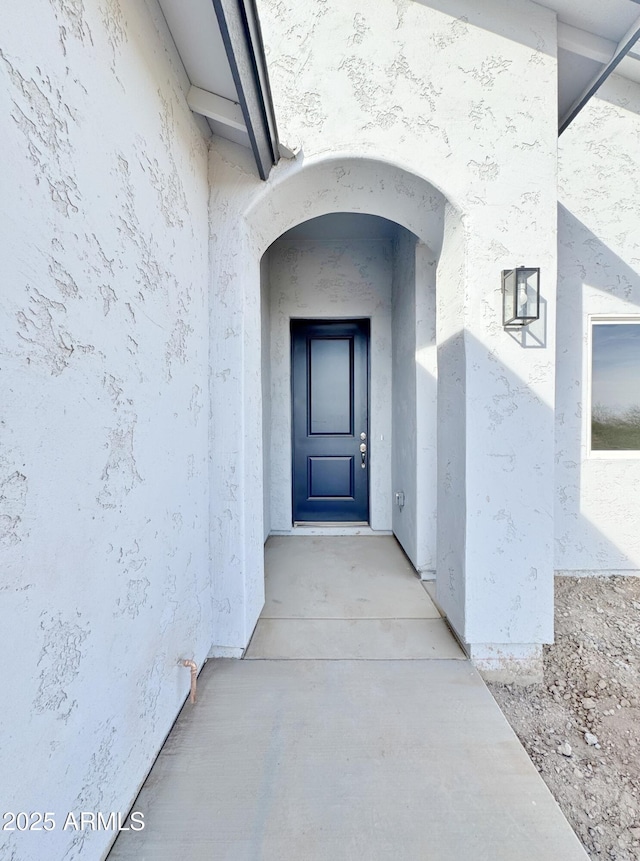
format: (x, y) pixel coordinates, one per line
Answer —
(315, 320)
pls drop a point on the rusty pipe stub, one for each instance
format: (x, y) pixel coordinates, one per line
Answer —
(194, 672)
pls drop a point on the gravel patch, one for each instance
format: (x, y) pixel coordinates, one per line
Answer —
(581, 727)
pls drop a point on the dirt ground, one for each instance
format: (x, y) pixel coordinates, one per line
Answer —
(581, 727)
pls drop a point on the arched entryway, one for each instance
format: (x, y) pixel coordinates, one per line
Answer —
(430, 243)
(487, 399)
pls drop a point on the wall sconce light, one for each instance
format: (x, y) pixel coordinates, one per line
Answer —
(520, 296)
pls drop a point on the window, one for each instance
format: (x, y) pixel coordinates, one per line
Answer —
(615, 385)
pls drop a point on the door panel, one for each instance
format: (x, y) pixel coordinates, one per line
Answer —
(330, 380)
(330, 476)
(330, 391)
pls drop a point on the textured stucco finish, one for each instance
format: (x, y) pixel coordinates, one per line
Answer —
(403, 406)
(414, 405)
(265, 340)
(389, 126)
(598, 498)
(103, 453)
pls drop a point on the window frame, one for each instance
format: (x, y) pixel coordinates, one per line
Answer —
(603, 454)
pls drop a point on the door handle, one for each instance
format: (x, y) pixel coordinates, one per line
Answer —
(363, 454)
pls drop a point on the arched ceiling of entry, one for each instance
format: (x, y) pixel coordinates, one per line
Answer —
(344, 225)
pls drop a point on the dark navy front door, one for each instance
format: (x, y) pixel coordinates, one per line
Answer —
(330, 388)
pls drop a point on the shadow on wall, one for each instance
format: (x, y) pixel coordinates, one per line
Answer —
(495, 455)
(597, 498)
(611, 94)
(534, 336)
(489, 17)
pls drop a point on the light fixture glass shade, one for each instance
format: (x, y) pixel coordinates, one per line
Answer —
(520, 296)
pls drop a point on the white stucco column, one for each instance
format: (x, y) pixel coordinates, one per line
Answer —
(235, 440)
(503, 612)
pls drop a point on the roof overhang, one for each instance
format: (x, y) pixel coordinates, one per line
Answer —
(220, 44)
(595, 39)
(607, 55)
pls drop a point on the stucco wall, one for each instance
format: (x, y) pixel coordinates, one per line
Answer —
(451, 454)
(404, 473)
(103, 454)
(345, 279)
(598, 498)
(426, 371)
(415, 401)
(265, 349)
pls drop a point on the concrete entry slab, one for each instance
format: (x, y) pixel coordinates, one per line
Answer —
(342, 577)
(357, 639)
(337, 760)
(331, 598)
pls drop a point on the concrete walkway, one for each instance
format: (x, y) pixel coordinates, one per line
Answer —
(354, 729)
